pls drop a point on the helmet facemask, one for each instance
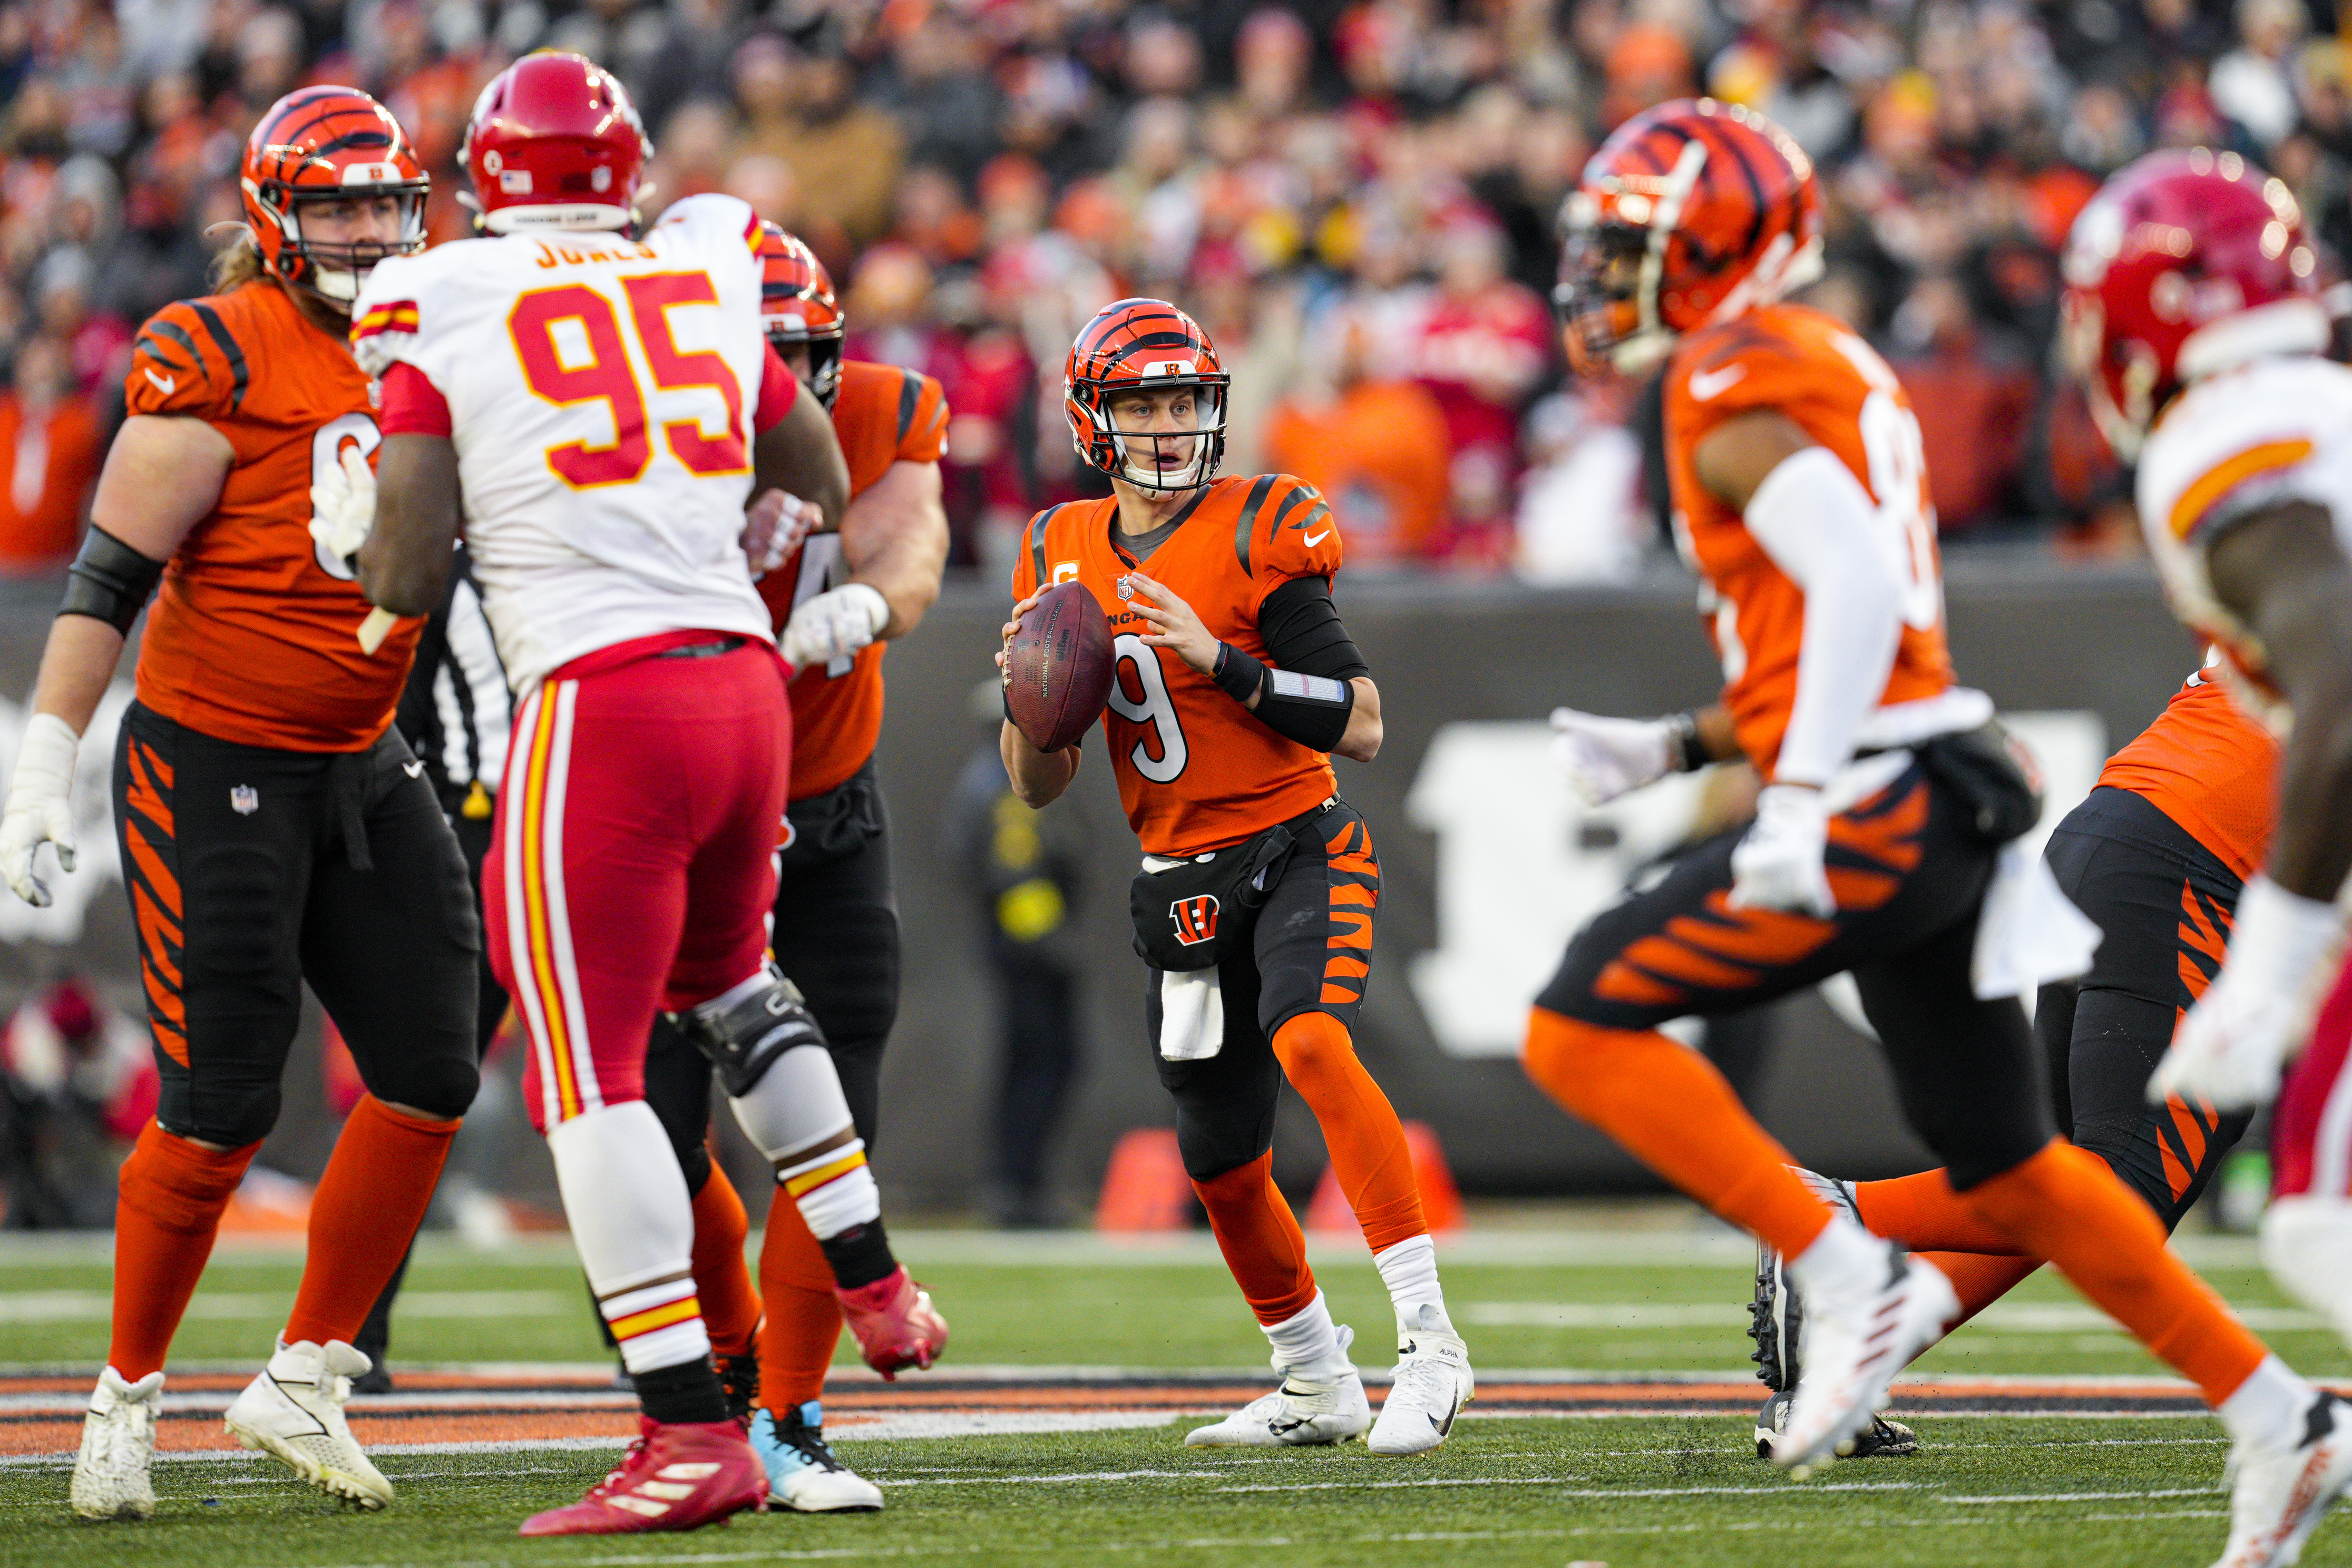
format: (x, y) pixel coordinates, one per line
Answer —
(824, 346)
(1159, 461)
(1606, 301)
(334, 270)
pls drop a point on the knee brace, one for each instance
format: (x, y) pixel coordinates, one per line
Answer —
(746, 1031)
(796, 1102)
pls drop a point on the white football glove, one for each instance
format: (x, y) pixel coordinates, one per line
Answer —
(342, 506)
(2231, 1047)
(40, 805)
(1779, 864)
(836, 625)
(775, 526)
(1605, 757)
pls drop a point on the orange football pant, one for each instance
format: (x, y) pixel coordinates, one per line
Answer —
(1670, 1109)
(173, 1194)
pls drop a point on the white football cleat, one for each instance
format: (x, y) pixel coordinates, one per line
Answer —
(294, 1411)
(1301, 1412)
(1432, 1383)
(1854, 1343)
(2277, 1494)
(803, 1473)
(118, 1443)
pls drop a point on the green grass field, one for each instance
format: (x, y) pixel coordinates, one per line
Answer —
(1628, 1491)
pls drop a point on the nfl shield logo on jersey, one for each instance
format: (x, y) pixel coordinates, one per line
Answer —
(245, 800)
(1196, 918)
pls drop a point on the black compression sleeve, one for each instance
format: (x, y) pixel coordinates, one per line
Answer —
(1302, 629)
(108, 581)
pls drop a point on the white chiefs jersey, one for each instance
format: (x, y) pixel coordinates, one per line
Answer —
(601, 393)
(2272, 431)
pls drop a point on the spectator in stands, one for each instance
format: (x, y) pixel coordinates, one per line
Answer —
(50, 447)
(1582, 517)
(80, 1083)
(1376, 446)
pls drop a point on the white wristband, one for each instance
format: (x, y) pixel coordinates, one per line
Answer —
(868, 598)
(46, 756)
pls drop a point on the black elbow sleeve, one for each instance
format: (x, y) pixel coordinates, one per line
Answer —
(110, 581)
(1302, 629)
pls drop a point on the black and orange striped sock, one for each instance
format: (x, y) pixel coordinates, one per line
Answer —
(1368, 1153)
(1673, 1111)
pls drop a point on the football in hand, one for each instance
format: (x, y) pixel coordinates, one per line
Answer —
(1059, 665)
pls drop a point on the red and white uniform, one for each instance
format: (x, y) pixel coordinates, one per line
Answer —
(2272, 431)
(602, 394)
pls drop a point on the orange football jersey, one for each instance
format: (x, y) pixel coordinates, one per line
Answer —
(1195, 770)
(882, 415)
(2210, 768)
(254, 637)
(1807, 366)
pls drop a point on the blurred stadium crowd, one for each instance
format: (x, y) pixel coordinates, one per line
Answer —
(1355, 197)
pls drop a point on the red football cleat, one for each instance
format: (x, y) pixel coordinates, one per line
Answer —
(675, 1477)
(895, 1322)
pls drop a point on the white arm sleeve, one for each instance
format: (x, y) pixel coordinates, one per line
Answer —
(1821, 528)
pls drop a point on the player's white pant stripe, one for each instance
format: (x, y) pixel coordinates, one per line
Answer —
(514, 824)
(559, 917)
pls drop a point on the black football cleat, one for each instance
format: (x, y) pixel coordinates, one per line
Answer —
(738, 1379)
(1776, 1321)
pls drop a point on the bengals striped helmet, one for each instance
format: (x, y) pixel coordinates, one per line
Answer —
(328, 143)
(1691, 212)
(1147, 346)
(797, 307)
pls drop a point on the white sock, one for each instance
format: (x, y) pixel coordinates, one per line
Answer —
(2267, 1408)
(1844, 1260)
(834, 1190)
(1409, 1269)
(633, 1226)
(1307, 1344)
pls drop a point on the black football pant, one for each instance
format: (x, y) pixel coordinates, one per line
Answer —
(1910, 878)
(2165, 904)
(1309, 952)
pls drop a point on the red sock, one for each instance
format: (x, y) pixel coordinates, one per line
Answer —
(1926, 1215)
(370, 1201)
(1674, 1113)
(803, 1321)
(2066, 1205)
(173, 1194)
(722, 1281)
(1980, 1279)
(1260, 1238)
(1368, 1153)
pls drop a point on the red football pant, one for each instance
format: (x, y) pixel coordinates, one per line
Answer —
(2311, 1131)
(632, 869)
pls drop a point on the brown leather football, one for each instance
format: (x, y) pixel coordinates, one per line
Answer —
(1060, 660)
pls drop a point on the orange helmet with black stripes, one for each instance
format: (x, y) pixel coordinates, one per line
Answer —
(328, 143)
(1148, 346)
(1690, 213)
(797, 306)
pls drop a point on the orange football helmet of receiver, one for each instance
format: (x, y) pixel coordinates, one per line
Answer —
(797, 306)
(1690, 213)
(328, 143)
(1145, 345)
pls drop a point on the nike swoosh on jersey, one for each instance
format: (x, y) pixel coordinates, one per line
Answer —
(1706, 385)
(1314, 539)
(167, 385)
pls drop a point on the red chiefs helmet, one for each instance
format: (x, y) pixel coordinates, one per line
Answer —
(797, 307)
(1689, 214)
(1146, 345)
(328, 143)
(2186, 263)
(554, 143)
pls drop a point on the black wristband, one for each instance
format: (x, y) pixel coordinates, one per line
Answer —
(1237, 675)
(1689, 755)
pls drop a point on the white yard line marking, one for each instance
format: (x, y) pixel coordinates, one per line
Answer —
(94, 1306)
